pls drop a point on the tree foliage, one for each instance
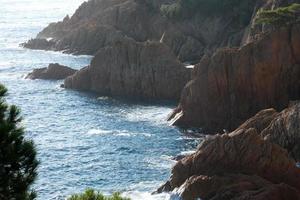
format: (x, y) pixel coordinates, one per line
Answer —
(93, 195)
(18, 162)
(188, 8)
(281, 16)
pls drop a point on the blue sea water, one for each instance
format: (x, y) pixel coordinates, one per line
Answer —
(83, 140)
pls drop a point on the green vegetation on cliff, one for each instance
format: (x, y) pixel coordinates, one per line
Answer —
(93, 195)
(282, 16)
(18, 162)
(188, 8)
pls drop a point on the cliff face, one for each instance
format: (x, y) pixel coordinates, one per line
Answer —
(233, 84)
(99, 23)
(245, 164)
(134, 69)
(227, 87)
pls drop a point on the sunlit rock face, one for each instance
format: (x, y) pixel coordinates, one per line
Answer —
(233, 84)
(256, 161)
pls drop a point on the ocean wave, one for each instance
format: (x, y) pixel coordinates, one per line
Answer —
(121, 133)
(138, 195)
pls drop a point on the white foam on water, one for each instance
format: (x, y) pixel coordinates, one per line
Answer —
(138, 195)
(99, 132)
(155, 115)
(121, 133)
(190, 66)
(186, 153)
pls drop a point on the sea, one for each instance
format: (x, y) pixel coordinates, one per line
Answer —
(83, 140)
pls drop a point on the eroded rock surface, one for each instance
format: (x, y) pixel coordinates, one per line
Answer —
(256, 161)
(134, 69)
(233, 84)
(52, 72)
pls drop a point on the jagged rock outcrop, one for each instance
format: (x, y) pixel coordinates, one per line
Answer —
(238, 187)
(255, 162)
(39, 44)
(284, 130)
(234, 84)
(134, 69)
(52, 72)
(279, 128)
(99, 23)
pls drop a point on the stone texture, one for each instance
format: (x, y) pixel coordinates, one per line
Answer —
(52, 72)
(134, 69)
(99, 23)
(234, 84)
(256, 161)
(284, 130)
(237, 187)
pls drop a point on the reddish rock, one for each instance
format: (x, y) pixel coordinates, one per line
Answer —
(245, 164)
(239, 165)
(52, 72)
(238, 187)
(234, 84)
(284, 130)
(243, 151)
(129, 68)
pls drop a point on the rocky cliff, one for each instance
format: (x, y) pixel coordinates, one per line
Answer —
(245, 164)
(233, 84)
(99, 23)
(134, 69)
(227, 86)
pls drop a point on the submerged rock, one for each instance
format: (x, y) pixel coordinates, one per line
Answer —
(52, 72)
(134, 69)
(234, 84)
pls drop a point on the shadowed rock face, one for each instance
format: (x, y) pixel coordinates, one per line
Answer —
(40, 44)
(245, 164)
(129, 68)
(234, 84)
(284, 130)
(52, 72)
(99, 23)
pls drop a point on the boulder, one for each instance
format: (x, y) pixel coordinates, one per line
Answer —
(281, 128)
(133, 69)
(284, 130)
(256, 161)
(52, 72)
(234, 84)
(235, 186)
(235, 166)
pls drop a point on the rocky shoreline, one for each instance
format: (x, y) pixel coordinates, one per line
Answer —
(244, 69)
(256, 161)
(233, 84)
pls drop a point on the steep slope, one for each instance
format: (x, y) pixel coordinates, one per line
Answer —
(133, 69)
(233, 84)
(244, 164)
(99, 23)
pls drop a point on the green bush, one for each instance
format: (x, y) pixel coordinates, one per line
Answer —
(18, 162)
(188, 8)
(282, 16)
(93, 195)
